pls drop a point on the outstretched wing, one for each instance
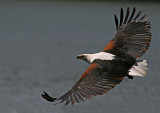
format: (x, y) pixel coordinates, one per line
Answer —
(95, 81)
(133, 34)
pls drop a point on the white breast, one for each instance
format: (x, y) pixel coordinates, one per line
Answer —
(101, 56)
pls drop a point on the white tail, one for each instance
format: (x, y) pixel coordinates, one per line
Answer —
(139, 68)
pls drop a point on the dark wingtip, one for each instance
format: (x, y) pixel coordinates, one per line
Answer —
(132, 15)
(134, 8)
(139, 13)
(47, 97)
(121, 17)
(116, 21)
(127, 15)
(143, 17)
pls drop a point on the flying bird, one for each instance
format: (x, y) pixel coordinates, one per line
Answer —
(115, 62)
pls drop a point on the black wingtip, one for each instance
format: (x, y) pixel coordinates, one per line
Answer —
(137, 15)
(116, 21)
(48, 98)
(143, 17)
(127, 15)
(134, 7)
(121, 17)
(132, 15)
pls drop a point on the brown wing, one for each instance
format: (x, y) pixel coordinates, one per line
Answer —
(95, 81)
(133, 35)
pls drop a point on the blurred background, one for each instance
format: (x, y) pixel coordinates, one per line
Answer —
(39, 42)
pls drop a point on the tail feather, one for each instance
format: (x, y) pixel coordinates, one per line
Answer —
(139, 68)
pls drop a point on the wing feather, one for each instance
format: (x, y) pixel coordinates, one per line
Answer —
(143, 17)
(116, 21)
(94, 82)
(127, 15)
(133, 37)
(137, 15)
(133, 12)
(121, 17)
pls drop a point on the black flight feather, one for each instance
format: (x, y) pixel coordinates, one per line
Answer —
(127, 15)
(121, 17)
(133, 12)
(116, 21)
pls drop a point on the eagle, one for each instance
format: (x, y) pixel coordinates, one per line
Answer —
(119, 59)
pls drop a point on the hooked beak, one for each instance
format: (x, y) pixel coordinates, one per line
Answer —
(80, 56)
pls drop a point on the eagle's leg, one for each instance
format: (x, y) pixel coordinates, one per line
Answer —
(130, 77)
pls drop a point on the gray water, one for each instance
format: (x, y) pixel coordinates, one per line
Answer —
(39, 42)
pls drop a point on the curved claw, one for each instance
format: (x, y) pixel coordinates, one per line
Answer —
(48, 98)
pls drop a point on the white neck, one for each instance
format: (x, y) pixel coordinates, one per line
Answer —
(101, 55)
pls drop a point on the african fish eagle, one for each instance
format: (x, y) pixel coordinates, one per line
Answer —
(117, 60)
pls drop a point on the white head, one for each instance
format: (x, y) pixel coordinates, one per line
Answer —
(89, 58)
(85, 57)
